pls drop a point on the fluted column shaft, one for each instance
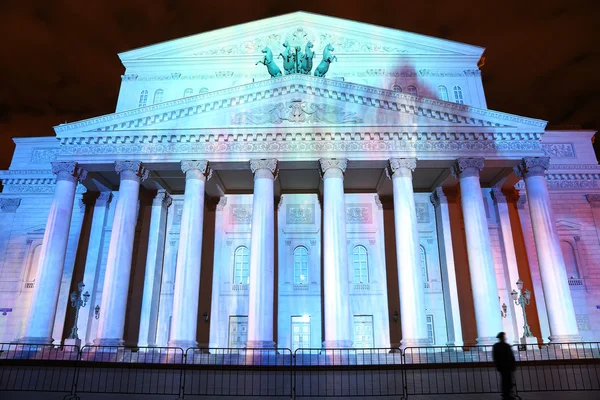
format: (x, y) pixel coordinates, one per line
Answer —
(410, 276)
(187, 273)
(262, 261)
(561, 314)
(479, 249)
(154, 267)
(118, 265)
(337, 317)
(42, 312)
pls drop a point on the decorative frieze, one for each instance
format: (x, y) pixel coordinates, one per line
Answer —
(241, 214)
(43, 155)
(297, 214)
(8, 205)
(359, 214)
(296, 112)
(559, 150)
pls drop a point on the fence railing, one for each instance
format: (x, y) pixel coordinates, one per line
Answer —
(306, 372)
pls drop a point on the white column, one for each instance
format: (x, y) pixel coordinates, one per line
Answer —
(448, 269)
(594, 200)
(40, 321)
(120, 252)
(262, 256)
(410, 275)
(479, 251)
(154, 267)
(86, 320)
(187, 272)
(337, 316)
(512, 267)
(561, 314)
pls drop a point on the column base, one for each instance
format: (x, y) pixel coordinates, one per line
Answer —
(183, 344)
(557, 339)
(337, 344)
(35, 340)
(404, 343)
(109, 342)
(487, 341)
(72, 342)
(260, 344)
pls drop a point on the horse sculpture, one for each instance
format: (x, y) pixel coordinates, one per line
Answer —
(328, 58)
(289, 59)
(267, 60)
(306, 61)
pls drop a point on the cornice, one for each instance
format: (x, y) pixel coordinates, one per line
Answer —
(442, 111)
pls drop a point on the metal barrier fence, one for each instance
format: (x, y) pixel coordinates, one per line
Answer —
(238, 372)
(305, 373)
(37, 368)
(348, 372)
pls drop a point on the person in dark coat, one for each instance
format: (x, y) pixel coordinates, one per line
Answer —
(505, 364)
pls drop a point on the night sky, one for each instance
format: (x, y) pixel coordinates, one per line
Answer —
(59, 58)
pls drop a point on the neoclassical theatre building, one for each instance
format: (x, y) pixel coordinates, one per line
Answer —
(302, 181)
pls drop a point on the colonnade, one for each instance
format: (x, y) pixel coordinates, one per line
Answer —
(337, 319)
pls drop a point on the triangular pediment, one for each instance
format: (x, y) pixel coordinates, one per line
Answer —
(346, 36)
(294, 101)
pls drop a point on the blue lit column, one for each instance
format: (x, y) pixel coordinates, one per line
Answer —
(40, 321)
(187, 272)
(479, 251)
(120, 252)
(262, 256)
(410, 275)
(557, 294)
(335, 256)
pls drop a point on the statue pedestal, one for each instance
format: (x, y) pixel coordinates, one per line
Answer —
(72, 342)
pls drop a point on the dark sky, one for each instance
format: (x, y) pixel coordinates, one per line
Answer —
(59, 58)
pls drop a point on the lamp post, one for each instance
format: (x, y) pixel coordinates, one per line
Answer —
(523, 298)
(78, 300)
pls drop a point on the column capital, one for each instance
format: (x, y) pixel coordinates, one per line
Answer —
(333, 163)
(438, 197)
(498, 196)
(68, 171)
(264, 168)
(162, 198)
(194, 169)
(593, 199)
(222, 203)
(466, 167)
(522, 200)
(9, 205)
(404, 167)
(532, 166)
(104, 199)
(131, 170)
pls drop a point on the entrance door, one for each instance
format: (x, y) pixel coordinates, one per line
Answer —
(300, 332)
(238, 331)
(363, 331)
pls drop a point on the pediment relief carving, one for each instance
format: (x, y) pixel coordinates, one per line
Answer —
(296, 112)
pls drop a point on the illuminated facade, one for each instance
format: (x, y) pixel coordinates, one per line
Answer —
(377, 202)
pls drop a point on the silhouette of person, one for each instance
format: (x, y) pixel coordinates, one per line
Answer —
(505, 364)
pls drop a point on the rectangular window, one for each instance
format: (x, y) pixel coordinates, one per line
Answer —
(430, 331)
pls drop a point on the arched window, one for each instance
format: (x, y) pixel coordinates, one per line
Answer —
(300, 265)
(424, 266)
(158, 96)
(203, 90)
(241, 263)
(570, 259)
(188, 92)
(397, 88)
(360, 263)
(458, 95)
(143, 98)
(412, 90)
(443, 92)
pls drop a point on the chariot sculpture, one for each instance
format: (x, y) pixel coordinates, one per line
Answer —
(297, 62)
